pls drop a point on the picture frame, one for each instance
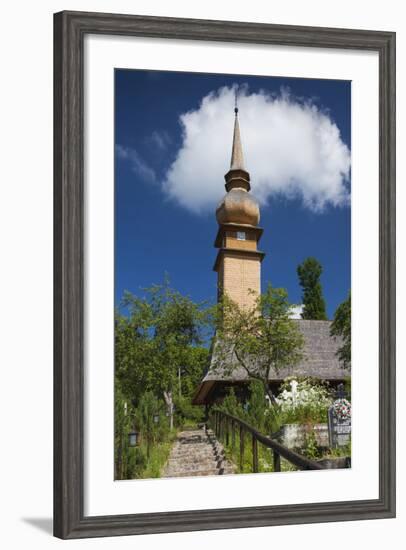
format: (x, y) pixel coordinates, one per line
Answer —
(70, 28)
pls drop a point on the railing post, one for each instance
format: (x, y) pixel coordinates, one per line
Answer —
(223, 423)
(241, 447)
(254, 454)
(276, 462)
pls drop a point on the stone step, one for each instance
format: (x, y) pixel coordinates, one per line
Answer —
(185, 468)
(193, 458)
(195, 471)
(198, 473)
(197, 453)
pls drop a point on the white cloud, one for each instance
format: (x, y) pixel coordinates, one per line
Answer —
(292, 149)
(138, 165)
(296, 312)
(160, 139)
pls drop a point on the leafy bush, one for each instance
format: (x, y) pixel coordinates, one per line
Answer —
(186, 413)
(257, 406)
(303, 402)
(123, 426)
(232, 405)
(311, 449)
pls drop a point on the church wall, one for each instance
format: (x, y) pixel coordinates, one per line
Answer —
(248, 244)
(240, 275)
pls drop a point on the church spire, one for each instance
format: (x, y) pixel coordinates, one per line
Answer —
(238, 262)
(237, 158)
(237, 176)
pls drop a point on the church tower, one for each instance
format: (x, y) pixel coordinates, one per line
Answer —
(238, 262)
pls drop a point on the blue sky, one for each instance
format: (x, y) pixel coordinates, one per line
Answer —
(166, 178)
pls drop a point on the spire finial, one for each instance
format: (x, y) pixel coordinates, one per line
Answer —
(237, 159)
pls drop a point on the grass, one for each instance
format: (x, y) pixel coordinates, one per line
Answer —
(338, 452)
(141, 466)
(265, 456)
(157, 460)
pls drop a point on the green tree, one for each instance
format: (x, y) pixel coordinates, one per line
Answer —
(133, 352)
(122, 425)
(341, 326)
(232, 405)
(163, 333)
(148, 407)
(261, 339)
(257, 406)
(314, 306)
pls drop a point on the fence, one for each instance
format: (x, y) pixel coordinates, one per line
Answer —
(225, 426)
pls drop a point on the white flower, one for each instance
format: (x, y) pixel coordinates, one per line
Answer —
(303, 394)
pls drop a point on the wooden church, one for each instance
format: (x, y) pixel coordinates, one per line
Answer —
(238, 267)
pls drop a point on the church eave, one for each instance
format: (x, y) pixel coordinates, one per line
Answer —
(236, 227)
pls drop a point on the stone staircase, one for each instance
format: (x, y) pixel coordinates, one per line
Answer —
(197, 453)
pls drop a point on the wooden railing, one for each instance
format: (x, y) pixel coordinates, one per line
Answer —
(225, 427)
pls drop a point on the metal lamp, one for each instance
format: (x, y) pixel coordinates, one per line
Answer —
(133, 439)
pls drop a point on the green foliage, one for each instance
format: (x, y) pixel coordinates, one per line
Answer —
(163, 332)
(347, 386)
(154, 438)
(158, 456)
(341, 326)
(147, 408)
(122, 427)
(257, 406)
(160, 336)
(303, 401)
(133, 351)
(337, 452)
(309, 273)
(145, 463)
(192, 372)
(262, 339)
(186, 413)
(232, 453)
(257, 413)
(232, 405)
(311, 449)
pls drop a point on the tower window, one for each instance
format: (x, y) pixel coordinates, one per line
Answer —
(241, 236)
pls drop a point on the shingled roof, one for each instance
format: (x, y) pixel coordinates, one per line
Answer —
(319, 360)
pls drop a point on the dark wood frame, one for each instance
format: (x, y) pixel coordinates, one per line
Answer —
(70, 29)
